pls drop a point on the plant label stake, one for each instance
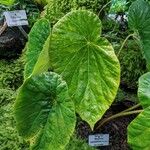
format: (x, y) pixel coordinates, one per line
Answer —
(99, 140)
(16, 18)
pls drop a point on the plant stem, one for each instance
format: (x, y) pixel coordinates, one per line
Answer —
(117, 116)
(123, 44)
(131, 108)
(104, 7)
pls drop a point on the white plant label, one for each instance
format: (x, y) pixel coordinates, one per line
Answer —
(99, 140)
(16, 18)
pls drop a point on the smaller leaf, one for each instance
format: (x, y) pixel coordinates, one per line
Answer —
(37, 37)
(44, 112)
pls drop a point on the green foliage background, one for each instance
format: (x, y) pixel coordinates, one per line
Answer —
(133, 64)
(56, 9)
(11, 73)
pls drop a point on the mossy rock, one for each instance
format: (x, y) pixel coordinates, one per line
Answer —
(11, 43)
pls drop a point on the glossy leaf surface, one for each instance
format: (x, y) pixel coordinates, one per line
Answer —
(86, 62)
(37, 37)
(43, 109)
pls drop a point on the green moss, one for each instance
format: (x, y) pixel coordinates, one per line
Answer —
(5, 96)
(11, 74)
(9, 139)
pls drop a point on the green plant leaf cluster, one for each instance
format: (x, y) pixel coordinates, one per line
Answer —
(87, 75)
(51, 114)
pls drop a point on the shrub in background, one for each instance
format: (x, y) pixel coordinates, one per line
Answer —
(11, 74)
(58, 8)
(133, 65)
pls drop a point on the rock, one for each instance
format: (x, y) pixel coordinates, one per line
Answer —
(11, 43)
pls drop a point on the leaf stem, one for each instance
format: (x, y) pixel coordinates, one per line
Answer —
(131, 108)
(104, 7)
(124, 42)
(121, 114)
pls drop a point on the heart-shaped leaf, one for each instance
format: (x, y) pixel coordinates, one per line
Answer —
(86, 62)
(37, 37)
(44, 111)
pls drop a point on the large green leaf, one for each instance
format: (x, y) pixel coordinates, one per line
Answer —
(139, 129)
(37, 37)
(86, 62)
(43, 109)
(139, 20)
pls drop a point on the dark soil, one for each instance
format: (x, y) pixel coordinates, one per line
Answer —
(12, 42)
(117, 129)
